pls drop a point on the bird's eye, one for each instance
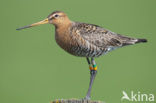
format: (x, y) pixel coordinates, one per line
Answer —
(56, 15)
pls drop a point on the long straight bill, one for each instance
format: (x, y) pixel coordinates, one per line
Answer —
(45, 21)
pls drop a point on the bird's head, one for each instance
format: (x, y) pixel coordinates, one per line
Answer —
(57, 18)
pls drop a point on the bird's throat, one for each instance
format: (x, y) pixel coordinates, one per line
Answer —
(62, 35)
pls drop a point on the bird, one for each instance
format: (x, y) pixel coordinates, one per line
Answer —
(85, 40)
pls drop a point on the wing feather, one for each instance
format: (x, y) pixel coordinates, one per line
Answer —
(98, 36)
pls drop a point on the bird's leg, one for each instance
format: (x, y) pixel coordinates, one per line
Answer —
(93, 71)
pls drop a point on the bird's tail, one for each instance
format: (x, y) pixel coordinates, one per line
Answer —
(141, 40)
(134, 41)
(130, 41)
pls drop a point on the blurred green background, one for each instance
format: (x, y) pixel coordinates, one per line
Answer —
(34, 69)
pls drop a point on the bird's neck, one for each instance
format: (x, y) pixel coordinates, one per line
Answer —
(63, 28)
(63, 24)
(62, 35)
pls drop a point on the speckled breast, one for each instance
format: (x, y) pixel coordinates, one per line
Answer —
(78, 48)
(76, 45)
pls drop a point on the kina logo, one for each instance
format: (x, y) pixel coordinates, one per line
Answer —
(137, 96)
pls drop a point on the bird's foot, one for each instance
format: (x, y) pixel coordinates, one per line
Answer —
(87, 98)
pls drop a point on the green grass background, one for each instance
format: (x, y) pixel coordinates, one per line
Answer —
(34, 69)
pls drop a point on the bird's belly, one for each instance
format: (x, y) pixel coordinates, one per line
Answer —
(82, 51)
(87, 52)
(72, 49)
(77, 48)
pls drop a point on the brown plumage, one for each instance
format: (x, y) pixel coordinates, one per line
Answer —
(85, 40)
